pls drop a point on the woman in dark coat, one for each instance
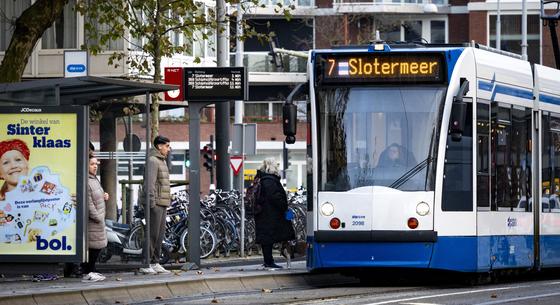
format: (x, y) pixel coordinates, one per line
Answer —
(271, 224)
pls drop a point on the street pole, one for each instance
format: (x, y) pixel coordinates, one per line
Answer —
(130, 202)
(239, 106)
(239, 111)
(524, 29)
(222, 109)
(212, 186)
(148, 169)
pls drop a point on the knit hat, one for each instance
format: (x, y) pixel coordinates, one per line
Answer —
(19, 145)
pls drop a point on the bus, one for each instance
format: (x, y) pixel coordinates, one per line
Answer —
(443, 157)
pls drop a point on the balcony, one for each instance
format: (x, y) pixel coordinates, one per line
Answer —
(391, 6)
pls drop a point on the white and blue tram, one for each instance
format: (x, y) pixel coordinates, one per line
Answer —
(427, 157)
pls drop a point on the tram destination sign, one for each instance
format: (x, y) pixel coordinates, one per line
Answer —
(211, 84)
(396, 67)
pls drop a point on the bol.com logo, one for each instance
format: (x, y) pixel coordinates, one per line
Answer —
(54, 244)
(76, 68)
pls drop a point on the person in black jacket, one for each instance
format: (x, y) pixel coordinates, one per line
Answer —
(271, 224)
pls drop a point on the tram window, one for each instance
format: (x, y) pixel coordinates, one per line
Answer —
(501, 169)
(483, 156)
(511, 155)
(550, 162)
(457, 177)
(520, 156)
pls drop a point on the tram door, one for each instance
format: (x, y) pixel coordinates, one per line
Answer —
(550, 189)
(504, 185)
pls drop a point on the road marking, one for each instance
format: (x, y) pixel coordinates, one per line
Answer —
(444, 295)
(521, 298)
(420, 304)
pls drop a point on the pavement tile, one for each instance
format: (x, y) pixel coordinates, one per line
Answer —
(258, 282)
(107, 296)
(225, 284)
(288, 281)
(60, 298)
(149, 292)
(18, 300)
(187, 288)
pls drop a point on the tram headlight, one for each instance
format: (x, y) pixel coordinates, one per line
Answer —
(327, 209)
(422, 208)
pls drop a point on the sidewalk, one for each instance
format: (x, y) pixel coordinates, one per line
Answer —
(130, 287)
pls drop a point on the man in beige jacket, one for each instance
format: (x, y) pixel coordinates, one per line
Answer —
(159, 195)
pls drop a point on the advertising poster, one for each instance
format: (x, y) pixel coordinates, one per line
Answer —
(38, 166)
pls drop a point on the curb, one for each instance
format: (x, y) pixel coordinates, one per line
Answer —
(124, 293)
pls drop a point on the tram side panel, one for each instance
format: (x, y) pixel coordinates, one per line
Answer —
(547, 94)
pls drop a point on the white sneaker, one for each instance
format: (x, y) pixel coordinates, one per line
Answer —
(99, 275)
(93, 277)
(148, 270)
(159, 269)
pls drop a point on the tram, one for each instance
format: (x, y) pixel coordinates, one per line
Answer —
(431, 157)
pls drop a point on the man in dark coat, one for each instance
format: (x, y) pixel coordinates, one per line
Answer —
(271, 224)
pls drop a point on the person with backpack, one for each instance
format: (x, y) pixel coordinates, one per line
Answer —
(270, 206)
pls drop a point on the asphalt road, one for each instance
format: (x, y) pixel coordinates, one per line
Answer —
(540, 290)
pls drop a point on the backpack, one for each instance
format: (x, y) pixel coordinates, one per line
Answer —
(253, 196)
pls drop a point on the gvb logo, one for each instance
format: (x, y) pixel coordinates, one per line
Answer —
(54, 244)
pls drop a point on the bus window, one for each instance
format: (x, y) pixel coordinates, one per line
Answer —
(457, 172)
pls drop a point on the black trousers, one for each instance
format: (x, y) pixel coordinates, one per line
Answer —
(92, 259)
(267, 254)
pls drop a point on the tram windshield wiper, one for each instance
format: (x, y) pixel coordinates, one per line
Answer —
(411, 173)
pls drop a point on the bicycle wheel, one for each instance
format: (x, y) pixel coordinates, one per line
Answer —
(136, 237)
(208, 242)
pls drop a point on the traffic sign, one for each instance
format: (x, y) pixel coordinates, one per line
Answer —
(236, 162)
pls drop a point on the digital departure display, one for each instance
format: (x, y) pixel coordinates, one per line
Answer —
(381, 68)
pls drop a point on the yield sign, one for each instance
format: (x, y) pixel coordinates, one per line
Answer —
(236, 162)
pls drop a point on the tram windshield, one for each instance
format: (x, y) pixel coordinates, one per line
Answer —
(384, 136)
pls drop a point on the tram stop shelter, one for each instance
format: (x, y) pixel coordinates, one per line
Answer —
(52, 117)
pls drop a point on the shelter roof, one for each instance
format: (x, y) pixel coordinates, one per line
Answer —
(84, 90)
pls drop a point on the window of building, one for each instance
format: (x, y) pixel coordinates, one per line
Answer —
(100, 29)
(510, 35)
(393, 29)
(257, 111)
(10, 11)
(437, 28)
(412, 30)
(63, 33)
